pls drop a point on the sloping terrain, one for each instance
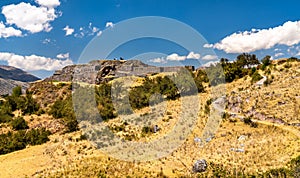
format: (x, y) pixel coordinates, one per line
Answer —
(259, 132)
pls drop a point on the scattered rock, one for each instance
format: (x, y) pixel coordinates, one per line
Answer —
(196, 139)
(200, 166)
(242, 137)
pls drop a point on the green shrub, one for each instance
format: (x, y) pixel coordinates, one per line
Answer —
(13, 141)
(287, 65)
(248, 121)
(63, 109)
(256, 77)
(5, 112)
(19, 124)
(17, 91)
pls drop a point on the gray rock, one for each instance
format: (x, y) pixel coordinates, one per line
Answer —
(200, 166)
(196, 139)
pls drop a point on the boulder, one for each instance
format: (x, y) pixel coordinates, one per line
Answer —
(200, 166)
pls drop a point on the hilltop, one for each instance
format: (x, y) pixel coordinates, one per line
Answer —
(258, 134)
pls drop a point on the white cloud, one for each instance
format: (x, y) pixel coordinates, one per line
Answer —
(68, 30)
(248, 41)
(29, 17)
(63, 56)
(6, 32)
(210, 57)
(176, 57)
(99, 33)
(158, 60)
(90, 31)
(46, 41)
(193, 55)
(93, 29)
(208, 45)
(48, 3)
(278, 54)
(34, 62)
(109, 24)
(210, 63)
(277, 49)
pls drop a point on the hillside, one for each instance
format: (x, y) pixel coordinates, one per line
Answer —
(11, 77)
(258, 133)
(9, 72)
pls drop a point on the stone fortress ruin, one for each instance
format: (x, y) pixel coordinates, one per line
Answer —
(98, 71)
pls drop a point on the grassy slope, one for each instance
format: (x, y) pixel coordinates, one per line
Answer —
(268, 146)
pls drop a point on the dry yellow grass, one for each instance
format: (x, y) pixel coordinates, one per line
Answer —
(271, 145)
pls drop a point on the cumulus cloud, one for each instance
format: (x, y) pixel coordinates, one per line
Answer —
(248, 41)
(210, 57)
(158, 60)
(208, 45)
(48, 3)
(193, 55)
(109, 24)
(68, 30)
(6, 32)
(176, 57)
(34, 62)
(29, 17)
(63, 56)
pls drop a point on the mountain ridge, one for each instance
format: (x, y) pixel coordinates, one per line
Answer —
(11, 77)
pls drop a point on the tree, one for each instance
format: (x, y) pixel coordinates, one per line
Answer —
(266, 60)
(17, 91)
(30, 105)
(224, 60)
(246, 60)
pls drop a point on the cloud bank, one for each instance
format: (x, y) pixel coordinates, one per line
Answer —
(249, 41)
(34, 62)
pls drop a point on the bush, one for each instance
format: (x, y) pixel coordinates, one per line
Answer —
(287, 65)
(5, 112)
(13, 141)
(248, 121)
(63, 109)
(256, 77)
(146, 130)
(19, 124)
(17, 91)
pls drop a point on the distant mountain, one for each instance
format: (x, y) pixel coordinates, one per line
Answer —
(8, 72)
(11, 77)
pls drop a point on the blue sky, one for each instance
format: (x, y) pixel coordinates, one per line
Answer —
(41, 36)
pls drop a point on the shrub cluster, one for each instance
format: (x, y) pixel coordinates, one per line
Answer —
(13, 141)
(63, 109)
